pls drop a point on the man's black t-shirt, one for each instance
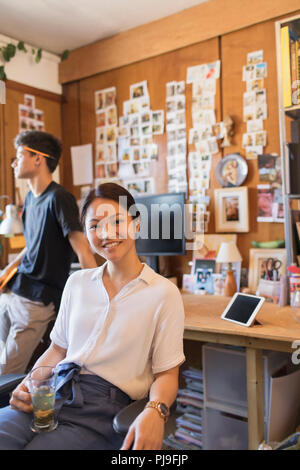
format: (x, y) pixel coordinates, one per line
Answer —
(47, 220)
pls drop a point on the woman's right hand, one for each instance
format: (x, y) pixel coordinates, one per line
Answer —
(21, 398)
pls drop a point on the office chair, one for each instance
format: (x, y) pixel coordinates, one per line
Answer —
(121, 422)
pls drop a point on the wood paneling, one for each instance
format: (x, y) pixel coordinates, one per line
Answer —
(232, 49)
(235, 47)
(157, 71)
(202, 22)
(9, 125)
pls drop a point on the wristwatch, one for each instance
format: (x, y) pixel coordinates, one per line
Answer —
(162, 408)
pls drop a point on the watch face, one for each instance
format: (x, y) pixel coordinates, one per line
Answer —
(164, 409)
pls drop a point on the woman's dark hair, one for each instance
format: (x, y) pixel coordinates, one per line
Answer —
(113, 192)
(41, 142)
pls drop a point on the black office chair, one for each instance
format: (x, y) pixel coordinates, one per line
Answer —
(121, 422)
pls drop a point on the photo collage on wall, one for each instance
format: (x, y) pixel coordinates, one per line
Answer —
(30, 118)
(203, 138)
(269, 191)
(106, 163)
(136, 149)
(254, 105)
(176, 136)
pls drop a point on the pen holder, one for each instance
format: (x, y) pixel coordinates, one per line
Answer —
(269, 289)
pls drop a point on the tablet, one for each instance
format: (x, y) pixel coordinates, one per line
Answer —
(243, 308)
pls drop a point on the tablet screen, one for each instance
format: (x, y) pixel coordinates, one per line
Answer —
(242, 308)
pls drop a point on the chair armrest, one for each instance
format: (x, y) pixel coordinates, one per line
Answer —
(8, 383)
(127, 415)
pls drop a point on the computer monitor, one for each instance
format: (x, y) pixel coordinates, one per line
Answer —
(162, 226)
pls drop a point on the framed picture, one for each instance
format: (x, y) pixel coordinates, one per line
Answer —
(231, 209)
(258, 257)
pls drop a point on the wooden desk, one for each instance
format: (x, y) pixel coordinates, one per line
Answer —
(278, 329)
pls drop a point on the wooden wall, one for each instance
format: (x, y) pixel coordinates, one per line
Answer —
(231, 49)
(50, 103)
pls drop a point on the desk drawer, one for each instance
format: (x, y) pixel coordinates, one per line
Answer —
(225, 379)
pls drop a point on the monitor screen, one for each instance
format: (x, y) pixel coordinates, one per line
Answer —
(162, 224)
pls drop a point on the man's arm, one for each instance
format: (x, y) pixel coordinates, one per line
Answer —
(14, 264)
(82, 249)
(147, 431)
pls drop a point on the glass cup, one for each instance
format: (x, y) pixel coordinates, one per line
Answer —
(42, 384)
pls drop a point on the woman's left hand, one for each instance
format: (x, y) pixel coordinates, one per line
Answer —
(146, 432)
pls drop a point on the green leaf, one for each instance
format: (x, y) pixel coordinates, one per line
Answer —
(2, 73)
(11, 49)
(21, 46)
(64, 55)
(32, 51)
(38, 56)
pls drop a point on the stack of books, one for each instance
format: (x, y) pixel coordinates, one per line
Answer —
(188, 433)
(290, 60)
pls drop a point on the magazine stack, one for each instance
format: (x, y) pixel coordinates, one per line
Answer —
(188, 433)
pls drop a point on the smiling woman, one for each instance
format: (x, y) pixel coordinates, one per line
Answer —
(118, 337)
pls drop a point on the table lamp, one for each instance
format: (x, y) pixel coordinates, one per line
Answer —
(229, 253)
(11, 224)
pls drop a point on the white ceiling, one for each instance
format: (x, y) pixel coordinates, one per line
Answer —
(56, 25)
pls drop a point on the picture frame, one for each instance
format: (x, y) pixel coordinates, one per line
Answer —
(231, 209)
(256, 260)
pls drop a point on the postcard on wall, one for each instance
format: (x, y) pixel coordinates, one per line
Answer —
(139, 90)
(251, 152)
(265, 203)
(29, 100)
(261, 70)
(255, 125)
(255, 57)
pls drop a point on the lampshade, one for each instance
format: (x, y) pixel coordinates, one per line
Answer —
(11, 225)
(228, 253)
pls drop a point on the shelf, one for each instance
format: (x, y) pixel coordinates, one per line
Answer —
(293, 111)
(293, 196)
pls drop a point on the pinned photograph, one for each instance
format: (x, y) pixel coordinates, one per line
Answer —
(139, 90)
(261, 138)
(109, 96)
(261, 111)
(249, 73)
(257, 84)
(39, 115)
(146, 117)
(100, 119)
(255, 57)
(131, 107)
(248, 140)
(136, 154)
(261, 70)
(100, 135)
(171, 89)
(253, 151)
(111, 170)
(249, 113)
(111, 134)
(158, 122)
(124, 120)
(100, 154)
(124, 131)
(111, 116)
(255, 125)
(265, 202)
(110, 153)
(260, 96)
(171, 105)
(29, 100)
(180, 88)
(249, 98)
(100, 171)
(99, 100)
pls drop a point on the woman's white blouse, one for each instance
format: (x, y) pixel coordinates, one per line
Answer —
(126, 340)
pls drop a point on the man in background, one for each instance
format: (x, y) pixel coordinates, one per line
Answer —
(52, 231)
